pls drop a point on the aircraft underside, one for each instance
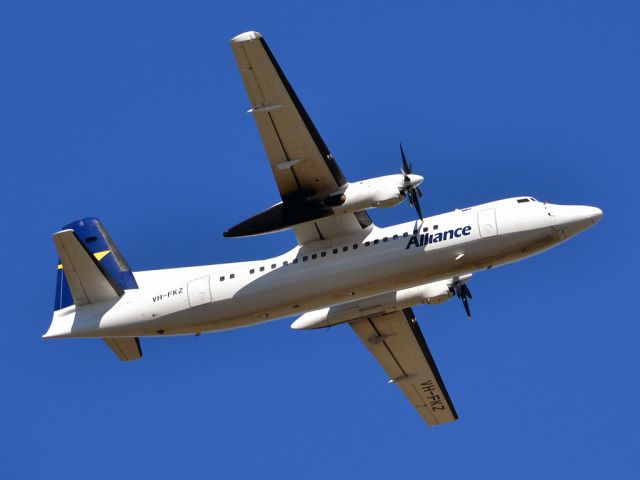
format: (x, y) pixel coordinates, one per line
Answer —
(343, 270)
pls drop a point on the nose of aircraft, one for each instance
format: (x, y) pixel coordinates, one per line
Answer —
(592, 214)
(574, 219)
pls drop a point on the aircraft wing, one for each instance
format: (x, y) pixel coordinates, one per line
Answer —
(396, 341)
(301, 163)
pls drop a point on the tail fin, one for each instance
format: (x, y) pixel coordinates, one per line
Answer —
(91, 268)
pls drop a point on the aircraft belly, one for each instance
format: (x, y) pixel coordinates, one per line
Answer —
(280, 293)
(295, 289)
(354, 278)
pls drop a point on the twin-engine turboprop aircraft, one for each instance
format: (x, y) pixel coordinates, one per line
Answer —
(344, 269)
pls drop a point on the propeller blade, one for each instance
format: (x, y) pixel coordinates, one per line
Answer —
(406, 168)
(411, 191)
(416, 204)
(463, 293)
(465, 302)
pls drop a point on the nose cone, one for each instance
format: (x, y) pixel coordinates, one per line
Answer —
(595, 214)
(587, 215)
(573, 219)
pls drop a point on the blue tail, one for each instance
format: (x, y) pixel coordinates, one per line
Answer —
(98, 243)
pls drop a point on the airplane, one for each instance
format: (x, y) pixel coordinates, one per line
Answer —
(343, 270)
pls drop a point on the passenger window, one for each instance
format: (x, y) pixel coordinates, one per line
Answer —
(252, 271)
(366, 244)
(385, 239)
(314, 256)
(405, 234)
(323, 254)
(262, 269)
(395, 237)
(273, 265)
(232, 276)
(335, 250)
(285, 263)
(435, 227)
(376, 241)
(295, 260)
(305, 258)
(425, 229)
(355, 246)
(222, 279)
(344, 249)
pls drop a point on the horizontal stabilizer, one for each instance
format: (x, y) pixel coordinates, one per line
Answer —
(88, 281)
(126, 349)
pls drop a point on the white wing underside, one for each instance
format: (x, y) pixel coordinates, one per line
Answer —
(397, 343)
(300, 161)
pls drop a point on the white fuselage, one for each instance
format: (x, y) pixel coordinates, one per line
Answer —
(324, 273)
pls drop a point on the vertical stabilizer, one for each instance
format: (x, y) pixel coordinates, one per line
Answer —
(91, 268)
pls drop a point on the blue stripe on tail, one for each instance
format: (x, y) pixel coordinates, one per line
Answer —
(97, 241)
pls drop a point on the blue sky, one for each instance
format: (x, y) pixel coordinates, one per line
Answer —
(134, 112)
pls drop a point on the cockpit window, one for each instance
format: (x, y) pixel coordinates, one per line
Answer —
(523, 200)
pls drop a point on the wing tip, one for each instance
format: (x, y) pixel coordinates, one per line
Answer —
(246, 37)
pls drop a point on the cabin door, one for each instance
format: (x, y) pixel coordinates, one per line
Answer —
(199, 291)
(487, 222)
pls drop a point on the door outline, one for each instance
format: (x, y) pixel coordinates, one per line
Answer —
(199, 291)
(487, 225)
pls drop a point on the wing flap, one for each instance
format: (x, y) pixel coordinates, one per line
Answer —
(397, 343)
(336, 226)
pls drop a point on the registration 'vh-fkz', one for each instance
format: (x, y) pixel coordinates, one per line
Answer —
(343, 270)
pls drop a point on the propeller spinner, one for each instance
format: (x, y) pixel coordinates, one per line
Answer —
(411, 182)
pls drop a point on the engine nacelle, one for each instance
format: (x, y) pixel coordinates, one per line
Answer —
(430, 293)
(380, 192)
(438, 292)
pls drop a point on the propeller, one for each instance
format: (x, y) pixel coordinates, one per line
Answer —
(409, 189)
(461, 290)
